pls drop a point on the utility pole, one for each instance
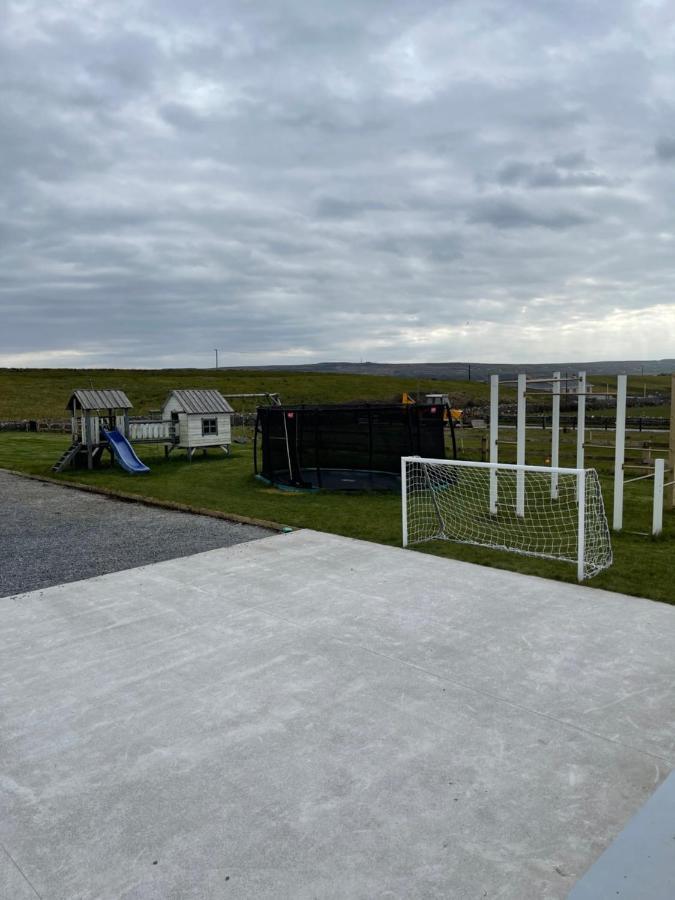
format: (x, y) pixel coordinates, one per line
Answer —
(216, 352)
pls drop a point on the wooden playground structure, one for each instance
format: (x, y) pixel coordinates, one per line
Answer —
(192, 420)
(92, 410)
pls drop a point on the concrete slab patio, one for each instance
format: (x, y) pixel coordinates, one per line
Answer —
(309, 716)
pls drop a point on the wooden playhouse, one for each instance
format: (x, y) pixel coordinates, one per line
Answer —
(200, 419)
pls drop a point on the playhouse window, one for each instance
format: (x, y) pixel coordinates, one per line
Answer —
(209, 426)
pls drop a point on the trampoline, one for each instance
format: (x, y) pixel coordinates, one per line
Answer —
(344, 447)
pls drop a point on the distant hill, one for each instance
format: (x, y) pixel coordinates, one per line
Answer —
(463, 371)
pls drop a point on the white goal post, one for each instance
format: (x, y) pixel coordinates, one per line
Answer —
(508, 507)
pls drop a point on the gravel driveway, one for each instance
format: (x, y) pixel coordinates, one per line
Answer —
(50, 534)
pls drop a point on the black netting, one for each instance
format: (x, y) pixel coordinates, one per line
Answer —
(345, 447)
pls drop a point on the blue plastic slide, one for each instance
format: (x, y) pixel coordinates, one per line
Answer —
(124, 452)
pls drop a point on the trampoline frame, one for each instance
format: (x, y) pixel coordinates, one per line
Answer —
(418, 420)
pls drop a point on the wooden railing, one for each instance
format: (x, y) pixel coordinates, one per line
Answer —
(151, 431)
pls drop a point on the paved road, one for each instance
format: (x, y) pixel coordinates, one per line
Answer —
(50, 535)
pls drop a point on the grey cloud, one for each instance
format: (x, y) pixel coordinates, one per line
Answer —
(337, 208)
(182, 116)
(514, 172)
(315, 181)
(567, 174)
(575, 159)
(441, 248)
(665, 149)
(505, 213)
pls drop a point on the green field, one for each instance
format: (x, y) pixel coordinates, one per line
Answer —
(643, 566)
(659, 410)
(639, 386)
(43, 393)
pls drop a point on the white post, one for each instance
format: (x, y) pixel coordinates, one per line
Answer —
(657, 514)
(520, 445)
(581, 512)
(670, 496)
(555, 434)
(581, 418)
(619, 450)
(404, 500)
(494, 440)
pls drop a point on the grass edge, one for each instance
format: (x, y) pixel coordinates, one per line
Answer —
(152, 501)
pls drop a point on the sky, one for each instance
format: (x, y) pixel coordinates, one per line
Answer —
(307, 180)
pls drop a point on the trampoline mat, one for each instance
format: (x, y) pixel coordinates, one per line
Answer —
(344, 480)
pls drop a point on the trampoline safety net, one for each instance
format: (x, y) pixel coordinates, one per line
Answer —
(344, 447)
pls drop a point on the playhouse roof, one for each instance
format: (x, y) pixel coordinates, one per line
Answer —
(200, 402)
(91, 399)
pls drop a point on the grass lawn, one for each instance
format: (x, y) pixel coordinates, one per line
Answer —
(643, 566)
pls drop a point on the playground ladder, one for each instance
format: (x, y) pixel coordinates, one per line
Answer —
(67, 456)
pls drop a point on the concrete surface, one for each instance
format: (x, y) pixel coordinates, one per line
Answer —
(308, 716)
(640, 864)
(51, 534)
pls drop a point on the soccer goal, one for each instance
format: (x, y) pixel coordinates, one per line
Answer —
(508, 507)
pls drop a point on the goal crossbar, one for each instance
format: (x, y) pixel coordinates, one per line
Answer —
(506, 506)
(488, 465)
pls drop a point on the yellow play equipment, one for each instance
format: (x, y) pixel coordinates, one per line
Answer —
(441, 400)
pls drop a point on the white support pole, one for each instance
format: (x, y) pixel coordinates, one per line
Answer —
(581, 528)
(494, 440)
(581, 418)
(670, 496)
(404, 500)
(555, 434)
(520, 445)
(619, 450)
(657, 512)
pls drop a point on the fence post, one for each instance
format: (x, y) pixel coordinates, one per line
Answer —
(555, 435)
(404, 500)
(657, 513)
(581, 418)
(581, 499)
(670, 498)
(521, 427)
(619, 450)
(494, 440)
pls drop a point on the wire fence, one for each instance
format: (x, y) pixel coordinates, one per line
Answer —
(59, 425)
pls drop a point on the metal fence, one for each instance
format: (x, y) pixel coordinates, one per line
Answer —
(593, 423)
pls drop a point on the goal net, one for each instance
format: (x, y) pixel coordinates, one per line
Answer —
(553, 513)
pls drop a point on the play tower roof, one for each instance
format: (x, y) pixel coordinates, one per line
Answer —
(105, 399)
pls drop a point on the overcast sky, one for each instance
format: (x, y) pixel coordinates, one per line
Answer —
(306, 180)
